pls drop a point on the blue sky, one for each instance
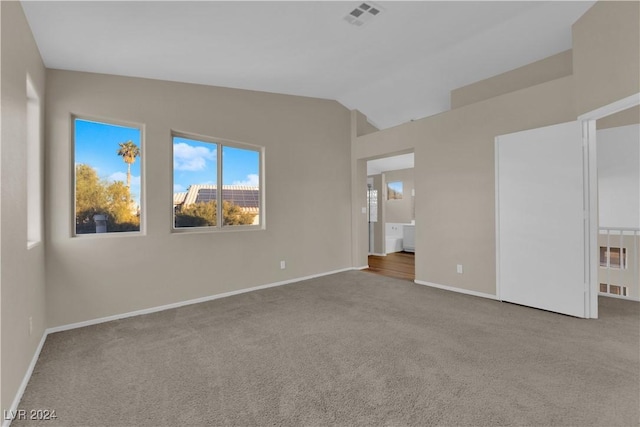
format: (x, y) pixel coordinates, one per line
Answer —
(194, 162)
(96, 145)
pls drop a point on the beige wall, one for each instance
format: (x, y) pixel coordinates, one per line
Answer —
(307, 166)
(630, 116)
(307, 202)
(545, 70)
(401, 210)
(454, 164)
(606, 54)
(359, 221)
(22, 271)
(363, 127)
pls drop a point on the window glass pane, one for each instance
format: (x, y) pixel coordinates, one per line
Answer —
(394, 190)
(603, 256)
(34, 166)
(241, 186)
(107, 177)
(372, 203)
(195, 175)
(614, 257)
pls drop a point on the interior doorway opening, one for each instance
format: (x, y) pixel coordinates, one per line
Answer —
(623, 112)
(391, 215)
(618, 241)
(560, 164)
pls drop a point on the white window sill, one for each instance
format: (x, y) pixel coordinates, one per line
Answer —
(215, 230)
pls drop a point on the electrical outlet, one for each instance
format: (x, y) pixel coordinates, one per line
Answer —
(459, 268)
(283, 265)
(30, 325)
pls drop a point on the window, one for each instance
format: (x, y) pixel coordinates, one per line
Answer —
(34, 167)
(216, 179)
(372, 203)
(614, 289)
(108, 190)
(394, 190)
(610, 257)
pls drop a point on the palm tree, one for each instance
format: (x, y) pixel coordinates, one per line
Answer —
(129, 151)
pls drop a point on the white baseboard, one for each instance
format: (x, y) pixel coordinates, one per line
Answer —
(187, 302)
(25, 381)
(27, 375)
(376, 254)
(458, 290)
(602, 294)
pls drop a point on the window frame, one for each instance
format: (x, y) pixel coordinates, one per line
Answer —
(623, 257)
(389, 188)
(143, 192)
(623, 291)
(34, 167)
(219, 144)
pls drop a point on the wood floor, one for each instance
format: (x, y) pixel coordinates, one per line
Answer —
(400, 265)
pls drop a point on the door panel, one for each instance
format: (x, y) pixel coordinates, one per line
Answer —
(540, 214)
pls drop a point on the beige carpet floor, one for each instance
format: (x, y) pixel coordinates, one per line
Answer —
(350, 349)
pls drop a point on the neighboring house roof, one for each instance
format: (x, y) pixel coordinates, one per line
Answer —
(247, 198)
(178, 198)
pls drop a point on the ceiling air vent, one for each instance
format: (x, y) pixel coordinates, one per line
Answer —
(363, 13)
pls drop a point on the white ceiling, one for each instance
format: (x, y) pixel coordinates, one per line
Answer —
(398, 67)
(391, 163)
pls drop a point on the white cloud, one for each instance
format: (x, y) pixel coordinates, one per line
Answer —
(252, 180)
(178, 188)
(189, 158)
(122, 176)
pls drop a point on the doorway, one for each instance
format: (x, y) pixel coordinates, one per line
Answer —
(559, 218)
(626, 107)
(618, 240)
(391, 215)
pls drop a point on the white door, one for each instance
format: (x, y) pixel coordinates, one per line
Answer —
(540, 218)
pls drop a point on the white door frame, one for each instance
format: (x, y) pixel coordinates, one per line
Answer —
(591, 193)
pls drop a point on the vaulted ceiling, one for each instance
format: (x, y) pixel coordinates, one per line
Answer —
(398, 66)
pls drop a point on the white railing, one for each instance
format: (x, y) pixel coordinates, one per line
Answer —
(619, 262)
